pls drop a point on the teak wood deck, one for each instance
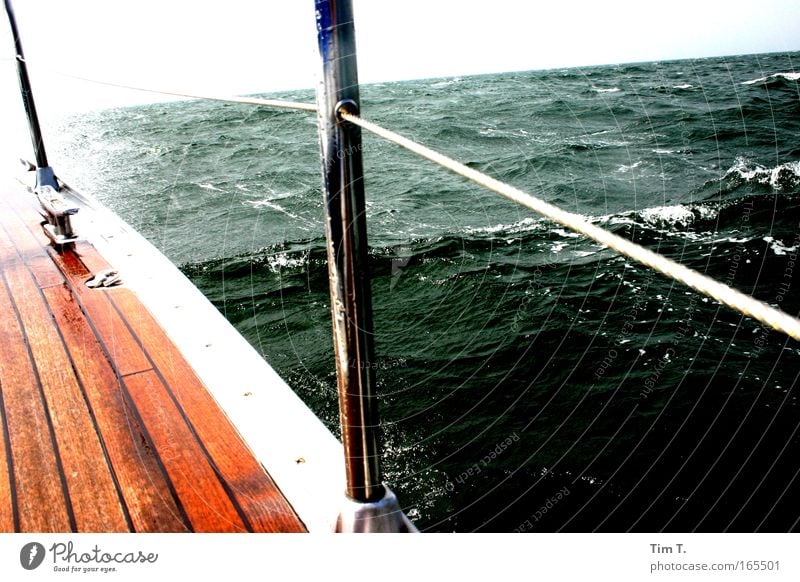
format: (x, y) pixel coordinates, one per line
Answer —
(104, 427)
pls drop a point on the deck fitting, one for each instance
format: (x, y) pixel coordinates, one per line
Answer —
(382, 516)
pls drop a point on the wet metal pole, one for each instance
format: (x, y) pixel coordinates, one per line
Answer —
(369, 505)
(346, 230)
(44, 174)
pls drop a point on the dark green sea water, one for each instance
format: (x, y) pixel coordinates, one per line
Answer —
(530, 380)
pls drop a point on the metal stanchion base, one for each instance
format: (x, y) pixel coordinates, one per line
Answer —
(383, 516)
(46, 177)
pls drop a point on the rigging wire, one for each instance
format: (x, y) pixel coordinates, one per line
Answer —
(278, 103)
(720, 292)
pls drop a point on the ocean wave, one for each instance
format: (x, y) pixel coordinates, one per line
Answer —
(606, 90)
(272, 206)
(526, 225)
(677, 216)
(280, 261)
(794, 77)
(286, 255)
(507, 248)
(778, 247)
(447, 83)
(783, 177)
(660, 218)
(624, 169)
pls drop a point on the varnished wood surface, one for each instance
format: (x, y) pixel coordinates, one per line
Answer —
(104, 426)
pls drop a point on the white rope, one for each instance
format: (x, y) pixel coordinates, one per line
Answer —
(736, 300)
(279, 103)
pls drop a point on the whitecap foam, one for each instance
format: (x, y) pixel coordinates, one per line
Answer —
(676, 215)
(522, 226)
(668, 215)
(283, 261)
(778, 247)
(268, 203)
(788, 76)
(447, 83)
(783, 176)
(567, 233)
(606, 90)
(625, 169)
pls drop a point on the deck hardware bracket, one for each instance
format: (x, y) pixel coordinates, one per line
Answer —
(382, 516)
(105, 278)
(57, 212)
(348, 106)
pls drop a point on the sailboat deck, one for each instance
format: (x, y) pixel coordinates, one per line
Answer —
(104, 426)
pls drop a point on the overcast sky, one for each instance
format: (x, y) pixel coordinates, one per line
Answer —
(247, 46)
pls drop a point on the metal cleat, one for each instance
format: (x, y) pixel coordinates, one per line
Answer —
(57, 212)
(105, 278)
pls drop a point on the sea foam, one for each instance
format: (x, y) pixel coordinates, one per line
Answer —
(788, 76)
(785, 176)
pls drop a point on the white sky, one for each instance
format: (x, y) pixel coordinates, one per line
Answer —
(247, 46)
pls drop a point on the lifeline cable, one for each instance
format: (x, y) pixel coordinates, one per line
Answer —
(279, 103)
(720, 292)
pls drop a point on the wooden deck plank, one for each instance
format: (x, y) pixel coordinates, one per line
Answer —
(8, 509)
(108, 427)
(202, 494)
(27, 244)
(23, 226)
(146, 490)
(125, 351)
(17, 243)
(89, 256)
(251, 486)
(8, 252)
(44, 271)
(92, 489)
(41, 500)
